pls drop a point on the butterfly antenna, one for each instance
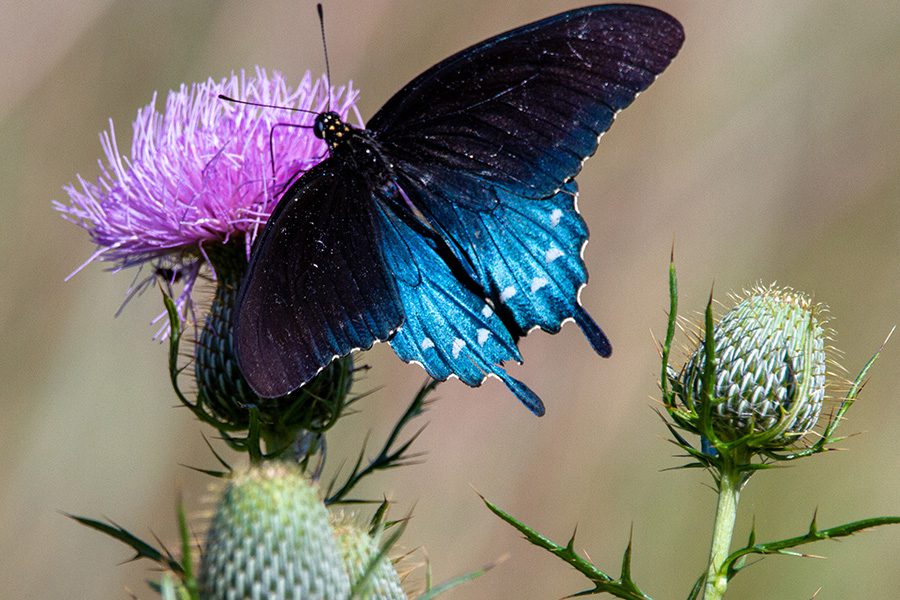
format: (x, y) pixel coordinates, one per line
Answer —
(325, 49)
(272, 130)
(272, 140)
(261, 105)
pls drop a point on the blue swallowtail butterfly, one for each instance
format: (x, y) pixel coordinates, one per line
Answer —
(448, 226)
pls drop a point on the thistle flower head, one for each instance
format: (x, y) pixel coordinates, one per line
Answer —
(770, 370)
(199, 173)
(271, 538)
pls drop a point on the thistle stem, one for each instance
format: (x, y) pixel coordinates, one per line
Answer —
(277, 440)
(731, 481)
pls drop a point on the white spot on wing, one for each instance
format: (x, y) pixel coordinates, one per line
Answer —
(555, 217)
(552, 254)
(487, 311)
(427, 343)
(483, 335)
(458, 345)
(508, 292)
(537, 283)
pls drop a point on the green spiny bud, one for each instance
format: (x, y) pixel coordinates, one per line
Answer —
(271, 538)
(358, 549)
(770, 370)
(224, 390)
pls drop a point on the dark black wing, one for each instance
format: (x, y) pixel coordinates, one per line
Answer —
(317, 287)
(523, 110)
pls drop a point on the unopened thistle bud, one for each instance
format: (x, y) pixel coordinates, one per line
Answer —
(770, 370)
(225, 393)
(358, 550)
(223, 388)
(271, 538)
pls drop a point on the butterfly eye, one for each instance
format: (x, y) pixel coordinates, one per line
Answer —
(320, 125)
(328, 122)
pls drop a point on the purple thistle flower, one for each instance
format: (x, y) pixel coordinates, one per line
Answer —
(199, 173)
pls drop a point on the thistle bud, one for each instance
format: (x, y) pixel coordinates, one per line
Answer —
(219, 380)
(271, 538)
(358, 549)
(222, 389)
(770, 370)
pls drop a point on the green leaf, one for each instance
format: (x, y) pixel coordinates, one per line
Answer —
(626, 558)
(187, 560)
(360, 586)
(702, 459)
(707, 388)
(141, 548)
(623, 587)
(828, 439)
(389, 457)
(564, 552)
(698, 588)
(379, 519)
(434, 592)
(175, 372)
(218, 456)
(254, 446)
(858, 383)
(730, 566)
(668, 397)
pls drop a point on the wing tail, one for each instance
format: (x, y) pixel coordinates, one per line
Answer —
(531, 400)
(595, 336)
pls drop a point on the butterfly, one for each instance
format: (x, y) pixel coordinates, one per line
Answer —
(448, 226)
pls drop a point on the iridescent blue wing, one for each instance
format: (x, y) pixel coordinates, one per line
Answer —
(449, 328)
(528, 254)
(317, 287)
(486, 144)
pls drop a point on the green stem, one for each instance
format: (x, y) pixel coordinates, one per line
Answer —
(277, 440)
(732, 479)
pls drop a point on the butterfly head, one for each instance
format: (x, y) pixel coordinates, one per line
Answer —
(329, 127)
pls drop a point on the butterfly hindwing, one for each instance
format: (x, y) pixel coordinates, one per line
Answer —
(526, 255)
(317, 286)
(449, 329)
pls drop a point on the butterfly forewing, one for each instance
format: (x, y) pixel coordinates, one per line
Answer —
(317, 286)
(525, 108)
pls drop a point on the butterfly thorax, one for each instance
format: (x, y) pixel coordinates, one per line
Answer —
(354, 146)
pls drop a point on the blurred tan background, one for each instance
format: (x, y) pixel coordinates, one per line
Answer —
(770, 150)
